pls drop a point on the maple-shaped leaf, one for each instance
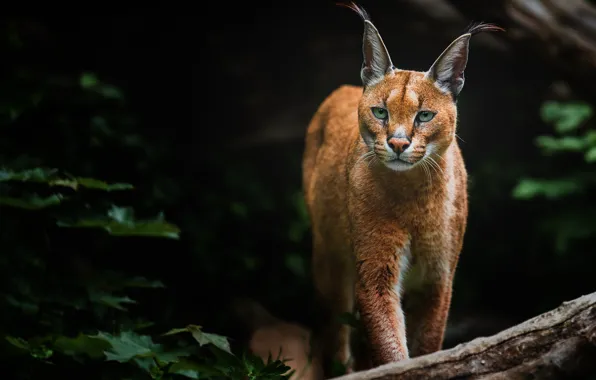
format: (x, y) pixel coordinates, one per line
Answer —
(203, 338)
(127, 345)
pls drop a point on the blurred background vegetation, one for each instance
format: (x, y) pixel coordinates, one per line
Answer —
(124, 217)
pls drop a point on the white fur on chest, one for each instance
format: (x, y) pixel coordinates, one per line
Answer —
(416, 272)
(422, 262)
(413, 273)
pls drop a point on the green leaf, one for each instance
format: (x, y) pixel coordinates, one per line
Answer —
(529, 188)
(565, 117)
(142, 324)
(18, 342)
(88, 80)
(82, 344)
(273, 369)
(110, 300)
(204, 338)
(130, 346)
(590, 138)
(52, 178)
(189, 373)
(120, 222)
(590, 155)
(110, 92)
(568, 143)
(90, 183)
(32, 202)
(127, 345)
(29, 175)
(193, 370)
(177, 331)
(36, 347)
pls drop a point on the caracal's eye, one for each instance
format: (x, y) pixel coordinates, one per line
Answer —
(380, 113)
(424, 116)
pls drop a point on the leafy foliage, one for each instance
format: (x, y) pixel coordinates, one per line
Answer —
(573, 145)
(75, 235)
(211, 359)
(157, 360)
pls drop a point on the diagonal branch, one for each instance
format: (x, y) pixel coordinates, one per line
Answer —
(555, 345)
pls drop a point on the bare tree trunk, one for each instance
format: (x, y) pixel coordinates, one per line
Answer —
(559, 344)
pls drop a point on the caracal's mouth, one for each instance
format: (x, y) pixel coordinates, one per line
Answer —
(398, 164)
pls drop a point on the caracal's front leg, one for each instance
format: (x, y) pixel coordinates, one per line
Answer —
(427, 306)
(380, 259)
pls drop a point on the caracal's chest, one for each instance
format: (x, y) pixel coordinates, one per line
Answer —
(433, 238)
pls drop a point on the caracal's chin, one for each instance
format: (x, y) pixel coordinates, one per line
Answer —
(398, 165)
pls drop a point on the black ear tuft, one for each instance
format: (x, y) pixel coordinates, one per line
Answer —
(479, 27)
(353, 6)
(448, 70)
(377, 61)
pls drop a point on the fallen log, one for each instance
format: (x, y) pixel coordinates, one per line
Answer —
(559, 344)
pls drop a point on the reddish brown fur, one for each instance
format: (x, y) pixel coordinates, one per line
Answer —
(369, 221)
(384, 228)
(380, 213)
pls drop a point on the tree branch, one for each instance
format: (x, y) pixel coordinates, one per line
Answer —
(555, 345)
(561, 32)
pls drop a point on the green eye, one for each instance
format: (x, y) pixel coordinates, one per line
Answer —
(380, 113)
(424, 116)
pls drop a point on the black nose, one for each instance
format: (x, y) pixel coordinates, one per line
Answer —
(398, 145)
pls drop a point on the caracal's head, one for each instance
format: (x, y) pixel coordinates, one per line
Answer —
(407, 116)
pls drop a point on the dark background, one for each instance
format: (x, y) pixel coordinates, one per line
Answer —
(229, 175)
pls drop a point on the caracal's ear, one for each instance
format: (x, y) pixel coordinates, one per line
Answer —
(377, 61)
(448, 70)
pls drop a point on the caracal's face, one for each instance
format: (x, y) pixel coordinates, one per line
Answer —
(405, 119)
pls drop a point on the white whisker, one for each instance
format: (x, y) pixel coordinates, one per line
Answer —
(436, 168)
(436, 165)
(364, 157)
(441, 157)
